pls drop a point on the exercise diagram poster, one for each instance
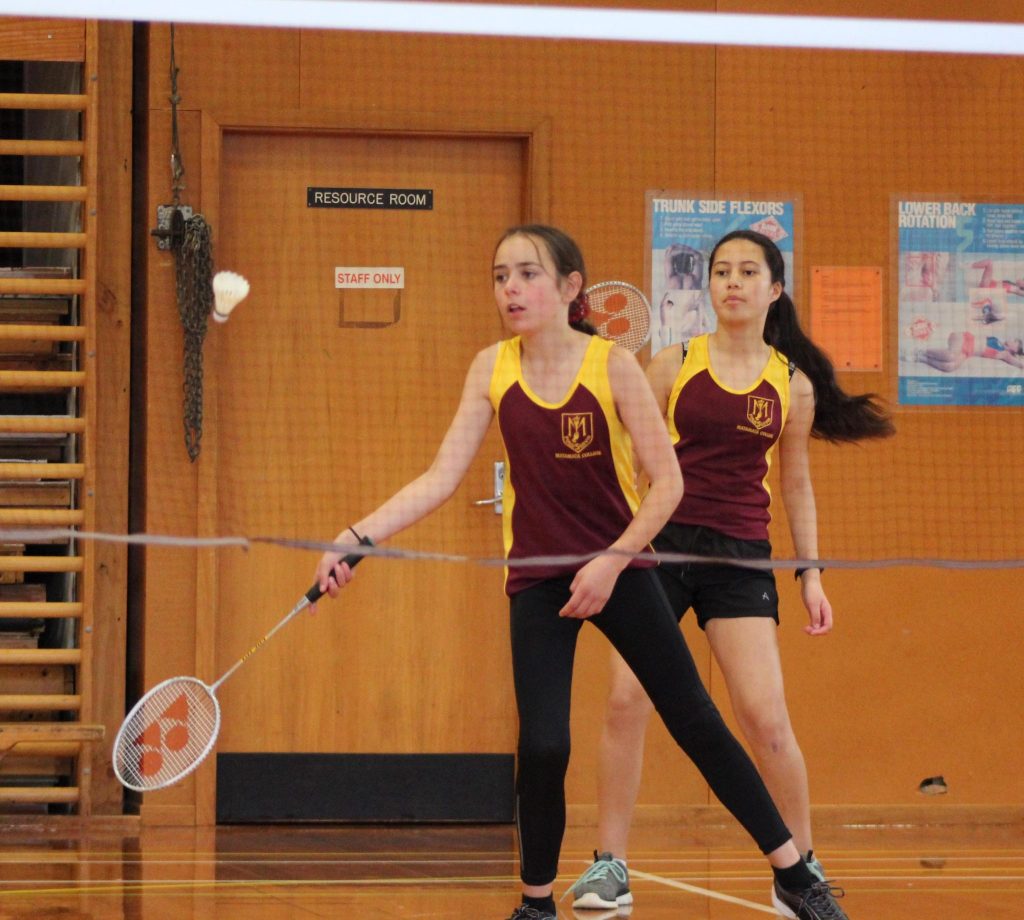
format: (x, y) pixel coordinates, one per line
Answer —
(961, 304)
(683, 228)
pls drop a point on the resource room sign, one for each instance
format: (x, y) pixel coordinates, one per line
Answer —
(380, 199)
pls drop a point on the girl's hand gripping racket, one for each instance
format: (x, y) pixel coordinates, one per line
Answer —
(172, 728)
(620, 312)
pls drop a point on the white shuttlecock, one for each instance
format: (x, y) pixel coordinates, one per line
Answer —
(228, 289)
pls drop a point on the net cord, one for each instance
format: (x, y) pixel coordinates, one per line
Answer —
(320, 546)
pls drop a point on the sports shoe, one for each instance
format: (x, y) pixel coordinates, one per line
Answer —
(523, 912)
(816, 868)
(604, 884)
(612, 913)
(814, 903)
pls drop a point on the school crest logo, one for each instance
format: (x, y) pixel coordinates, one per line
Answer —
(577, 430)
(760, 410)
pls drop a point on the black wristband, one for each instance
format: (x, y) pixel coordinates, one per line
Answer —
(364, 540)
(799, 572)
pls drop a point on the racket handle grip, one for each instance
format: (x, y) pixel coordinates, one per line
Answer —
(353, 559)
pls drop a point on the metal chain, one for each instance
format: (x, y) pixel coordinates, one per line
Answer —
(177, 166)
(193, 268)
(193, 273)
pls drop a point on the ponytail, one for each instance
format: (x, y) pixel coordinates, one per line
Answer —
(837, 415)
(579, 310)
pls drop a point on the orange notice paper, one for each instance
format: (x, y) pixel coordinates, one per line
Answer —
(846, 315)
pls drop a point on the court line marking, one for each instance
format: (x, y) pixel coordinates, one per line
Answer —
(252, 862)
(488, 879)
(125, 886)
(705, 892)
(102, 857)
(280, 887)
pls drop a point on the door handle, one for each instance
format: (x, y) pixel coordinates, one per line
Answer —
(499, 489)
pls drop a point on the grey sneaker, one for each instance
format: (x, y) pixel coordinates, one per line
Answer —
(611, 913)
(814, 903)
(605, 884)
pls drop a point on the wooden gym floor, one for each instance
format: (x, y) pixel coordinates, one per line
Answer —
(964, 872)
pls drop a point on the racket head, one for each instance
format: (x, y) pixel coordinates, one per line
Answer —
(621, 312)
(167, 734)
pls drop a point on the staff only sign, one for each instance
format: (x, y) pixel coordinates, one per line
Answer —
(363, 277)
(381, 199)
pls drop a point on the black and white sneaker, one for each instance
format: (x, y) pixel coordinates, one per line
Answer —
(523, 912)
(815, 903)
(812, 863)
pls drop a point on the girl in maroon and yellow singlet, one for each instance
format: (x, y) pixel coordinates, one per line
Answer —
(734, 402)
(571, 408)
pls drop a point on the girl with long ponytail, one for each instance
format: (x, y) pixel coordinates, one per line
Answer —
(731, 399)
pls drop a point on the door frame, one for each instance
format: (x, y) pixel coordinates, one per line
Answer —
(537, 136)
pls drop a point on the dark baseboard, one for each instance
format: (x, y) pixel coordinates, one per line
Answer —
(370, 788)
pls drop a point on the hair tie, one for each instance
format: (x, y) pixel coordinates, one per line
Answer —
(579, 309)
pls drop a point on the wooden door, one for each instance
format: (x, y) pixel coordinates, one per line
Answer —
(325, 404)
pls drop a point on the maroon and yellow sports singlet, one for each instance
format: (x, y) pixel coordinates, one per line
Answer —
(724, 440)
(569, 483)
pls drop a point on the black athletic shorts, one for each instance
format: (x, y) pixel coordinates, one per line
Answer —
(716, 590)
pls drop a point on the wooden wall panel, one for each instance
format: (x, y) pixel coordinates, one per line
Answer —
(223, 67)
(918, 678)
(23, 39)
(113, 335)
(169, 591)
(624, 117)
(917, 683)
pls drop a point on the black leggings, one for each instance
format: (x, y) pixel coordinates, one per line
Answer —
(639, 623)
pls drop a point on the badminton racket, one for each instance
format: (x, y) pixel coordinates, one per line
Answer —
(172, 729)
(228, 289)
(620, 312)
